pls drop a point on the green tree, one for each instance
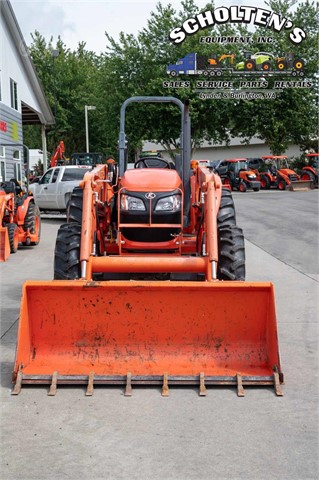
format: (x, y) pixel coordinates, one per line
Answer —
(69, 85)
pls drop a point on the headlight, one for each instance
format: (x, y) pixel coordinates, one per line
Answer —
(169, 204)
(131, 203)
(251, 177)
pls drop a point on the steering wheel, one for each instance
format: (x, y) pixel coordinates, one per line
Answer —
(142, 160)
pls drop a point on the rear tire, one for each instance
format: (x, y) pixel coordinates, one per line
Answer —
(67, 252)
(264, 182)
(13, 233)
(231, 253)
(226, 213)
(32, 222)
(75, 206)
(306, 175)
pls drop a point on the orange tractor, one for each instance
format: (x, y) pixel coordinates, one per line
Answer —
(310, 171)
(149, 284)
(236, 174)
(20, 219)
(276, 173)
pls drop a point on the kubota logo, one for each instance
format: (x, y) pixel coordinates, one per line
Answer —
(150, 195)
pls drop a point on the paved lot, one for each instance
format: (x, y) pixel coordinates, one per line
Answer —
(184, 436)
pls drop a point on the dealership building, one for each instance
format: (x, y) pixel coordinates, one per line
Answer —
(22, 100)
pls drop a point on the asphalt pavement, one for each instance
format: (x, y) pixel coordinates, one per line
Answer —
(184, 436)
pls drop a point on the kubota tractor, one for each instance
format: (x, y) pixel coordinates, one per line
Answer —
(310, 171)
(276, 173)
(235, 172)
(19, 217)
(149, 284)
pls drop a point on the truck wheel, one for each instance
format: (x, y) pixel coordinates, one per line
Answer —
(74, 208)
(231, 253)
(264, 182)
(13, 233)
(32, 222)
(67, 252)
(226, 214)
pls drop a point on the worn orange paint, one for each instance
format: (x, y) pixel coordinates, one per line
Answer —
(147, 328)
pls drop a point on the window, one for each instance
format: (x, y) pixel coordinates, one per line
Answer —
(2, 171)
(18, 172)
(74, 174)
(46, 177)
(55, 175)
(2, 152)
(14, 94)
(17, 155)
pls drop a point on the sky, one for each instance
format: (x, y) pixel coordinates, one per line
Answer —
(84, 20)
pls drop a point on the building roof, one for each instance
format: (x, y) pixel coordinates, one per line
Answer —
(29, 116)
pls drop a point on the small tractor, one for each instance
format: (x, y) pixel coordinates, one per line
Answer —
(276, 173)
(235, 172)
(310, 171)
(267, 61)
(149, 284)
(20, 219)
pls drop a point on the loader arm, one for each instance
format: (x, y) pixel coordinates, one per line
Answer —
(149, 286)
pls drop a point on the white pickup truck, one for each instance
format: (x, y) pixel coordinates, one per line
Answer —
(53, 190)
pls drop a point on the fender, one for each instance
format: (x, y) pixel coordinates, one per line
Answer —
(22, 210)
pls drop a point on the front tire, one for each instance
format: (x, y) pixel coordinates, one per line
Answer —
(67, 252)
(13, 233)
(282, 185)
(32, 222)
(226, 214)
(75, 206)
(231, 254)
(242, 187)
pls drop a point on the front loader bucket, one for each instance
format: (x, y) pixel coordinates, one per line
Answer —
(119, 332)
(301, 185)
(4, 244)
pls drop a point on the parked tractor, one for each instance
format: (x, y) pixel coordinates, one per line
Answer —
(310, 171)
(149, 284)
(277, 173)
(20, 221)
(267, 61)
(235, 172)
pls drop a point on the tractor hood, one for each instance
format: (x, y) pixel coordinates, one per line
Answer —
(147, 179)
(287, 171)
(245, 173)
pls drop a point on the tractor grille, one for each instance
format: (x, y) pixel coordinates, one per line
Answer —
(293, 178)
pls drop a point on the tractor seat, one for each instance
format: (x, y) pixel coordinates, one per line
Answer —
(9, 186)
(154, 162)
